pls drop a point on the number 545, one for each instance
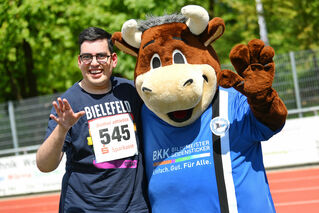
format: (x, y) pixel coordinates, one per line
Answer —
(117, 133)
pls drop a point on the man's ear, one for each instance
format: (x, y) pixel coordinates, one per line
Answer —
(114, 59)
(119, 42)
(79, 61)
(214, 30)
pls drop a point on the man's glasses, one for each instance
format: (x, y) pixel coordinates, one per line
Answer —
(101, 58)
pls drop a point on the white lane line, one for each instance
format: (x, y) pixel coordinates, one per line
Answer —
(295, 189)
(293, 179)
(297, 203)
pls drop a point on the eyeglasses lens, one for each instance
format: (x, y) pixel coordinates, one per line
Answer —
(100, 58)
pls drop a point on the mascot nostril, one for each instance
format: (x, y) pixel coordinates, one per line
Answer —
(146, 90)
(202, 126)
(188, 82)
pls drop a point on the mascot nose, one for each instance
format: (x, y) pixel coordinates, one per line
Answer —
(188, 82)
(146, 90)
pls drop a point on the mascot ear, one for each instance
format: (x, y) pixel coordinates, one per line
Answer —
(129, 39)
(215, 29)
(119, 42)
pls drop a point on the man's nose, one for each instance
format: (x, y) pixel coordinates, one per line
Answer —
(94, 61)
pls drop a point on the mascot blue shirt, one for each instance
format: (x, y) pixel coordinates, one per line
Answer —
(192, 175)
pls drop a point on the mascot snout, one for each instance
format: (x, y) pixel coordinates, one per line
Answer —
(178, 92)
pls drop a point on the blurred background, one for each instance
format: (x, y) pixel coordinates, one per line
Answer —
(38, 62)
(38, 39)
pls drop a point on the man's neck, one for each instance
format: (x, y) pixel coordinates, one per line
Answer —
(95, 89)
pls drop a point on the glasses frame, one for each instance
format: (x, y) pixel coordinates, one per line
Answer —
(100, 61)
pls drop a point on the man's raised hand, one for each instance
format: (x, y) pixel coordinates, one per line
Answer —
(66, 117)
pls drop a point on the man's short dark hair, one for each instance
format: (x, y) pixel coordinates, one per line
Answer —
(95, 33)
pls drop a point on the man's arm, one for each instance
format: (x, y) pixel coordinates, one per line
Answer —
(50, 153)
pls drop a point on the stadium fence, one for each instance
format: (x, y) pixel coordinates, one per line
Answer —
(23, 123)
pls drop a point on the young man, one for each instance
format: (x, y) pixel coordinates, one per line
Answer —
(101, 110)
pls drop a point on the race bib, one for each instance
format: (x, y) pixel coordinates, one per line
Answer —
(113, 137)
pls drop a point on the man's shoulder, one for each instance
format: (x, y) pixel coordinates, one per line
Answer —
(123, 86)
(75, 88)
(73, 94)
(119, 80)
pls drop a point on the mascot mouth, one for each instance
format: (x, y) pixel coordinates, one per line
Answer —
(181, 115)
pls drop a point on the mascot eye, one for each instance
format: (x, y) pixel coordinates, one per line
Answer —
(178, 57)
(155, 61)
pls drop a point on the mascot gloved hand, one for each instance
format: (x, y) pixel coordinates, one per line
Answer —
(256, 70)
(202, 126)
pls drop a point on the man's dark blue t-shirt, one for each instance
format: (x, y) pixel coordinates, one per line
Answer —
(113, 186)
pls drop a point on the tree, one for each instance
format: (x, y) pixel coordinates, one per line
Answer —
(292, 24)
(39, 47)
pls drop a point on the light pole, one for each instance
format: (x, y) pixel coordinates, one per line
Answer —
(261, 22)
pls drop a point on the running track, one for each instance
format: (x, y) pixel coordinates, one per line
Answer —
(293, 191)
(296, 190)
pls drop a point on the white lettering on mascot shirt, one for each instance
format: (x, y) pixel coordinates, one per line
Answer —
(113, 137)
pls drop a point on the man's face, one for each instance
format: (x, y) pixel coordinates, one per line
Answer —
(96, 75)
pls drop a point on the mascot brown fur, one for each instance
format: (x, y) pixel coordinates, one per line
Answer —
(202, 126)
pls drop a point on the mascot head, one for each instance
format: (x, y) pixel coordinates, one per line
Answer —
(176, 68)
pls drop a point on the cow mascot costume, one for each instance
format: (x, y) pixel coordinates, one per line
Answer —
(202, 126)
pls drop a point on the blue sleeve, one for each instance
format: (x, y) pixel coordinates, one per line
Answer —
(260, 132)
(244, 122)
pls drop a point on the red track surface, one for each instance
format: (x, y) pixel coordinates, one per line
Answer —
(293, 191)
(48, 203)
(296, 190)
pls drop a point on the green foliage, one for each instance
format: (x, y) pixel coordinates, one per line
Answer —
(292, 25)
(38, 39)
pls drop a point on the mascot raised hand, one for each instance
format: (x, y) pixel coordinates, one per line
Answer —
(202, 126)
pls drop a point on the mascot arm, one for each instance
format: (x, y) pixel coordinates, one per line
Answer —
(255, 73)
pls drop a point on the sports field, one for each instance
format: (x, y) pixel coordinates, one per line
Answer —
(294, 190)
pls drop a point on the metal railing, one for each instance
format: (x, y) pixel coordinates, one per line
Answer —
(23, 123)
